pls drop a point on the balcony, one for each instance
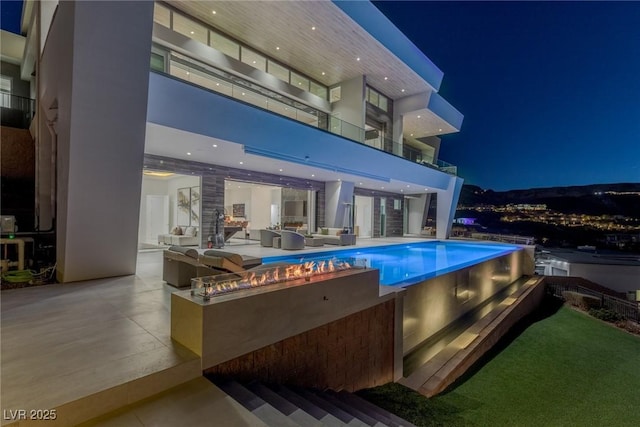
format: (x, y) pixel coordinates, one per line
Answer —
(216, 80)
(16, 111)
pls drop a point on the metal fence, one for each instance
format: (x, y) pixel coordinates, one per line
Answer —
(627, 309)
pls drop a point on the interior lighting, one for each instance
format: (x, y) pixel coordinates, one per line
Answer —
(213, 12)
(439, 130)
(158, 174)
(192, 32)
(215, 145)
(188, 154)
(386, 78)
(280, 170)
(277, 47)
(402, 90)
(419, 116)
(323, 73)
(242, 163)
(358, 58)
(313, 28)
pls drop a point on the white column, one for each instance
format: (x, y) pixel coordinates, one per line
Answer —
(337, 195)
(96, 66)
(446, 207)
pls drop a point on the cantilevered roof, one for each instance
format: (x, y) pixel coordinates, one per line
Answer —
(325, 40)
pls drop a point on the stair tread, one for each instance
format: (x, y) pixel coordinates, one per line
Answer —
(245, 397)
(293, 412)
(393, 418)
(361, 415)
(343, 416)
(320, 414)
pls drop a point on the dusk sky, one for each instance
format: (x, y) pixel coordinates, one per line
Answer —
(550, 91)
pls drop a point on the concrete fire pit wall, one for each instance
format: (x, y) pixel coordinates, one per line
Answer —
(230, 326)
(431, 305)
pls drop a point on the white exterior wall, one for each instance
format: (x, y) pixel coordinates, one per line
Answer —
(99, 79)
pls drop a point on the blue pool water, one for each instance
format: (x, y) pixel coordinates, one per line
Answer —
(408, 264)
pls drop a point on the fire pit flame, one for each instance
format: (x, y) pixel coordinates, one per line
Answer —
(222, 284)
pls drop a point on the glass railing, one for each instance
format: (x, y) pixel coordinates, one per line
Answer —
(17, 111)
(214, 79)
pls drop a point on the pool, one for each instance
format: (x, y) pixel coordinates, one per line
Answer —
(408, 264)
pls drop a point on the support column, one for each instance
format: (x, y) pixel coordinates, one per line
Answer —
(446, 207)
(95, 65)
(338, 194)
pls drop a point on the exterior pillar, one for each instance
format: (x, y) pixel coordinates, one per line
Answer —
(446, 207)
(95, 70)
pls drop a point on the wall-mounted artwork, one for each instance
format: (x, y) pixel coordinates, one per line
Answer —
(238, 210)
(195, 206)
(184, 206)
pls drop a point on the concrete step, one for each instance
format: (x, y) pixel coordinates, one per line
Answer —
(319, 401)
(294, 413)
(364, 405)
(360, 415)
(309, 407)
(261, 409)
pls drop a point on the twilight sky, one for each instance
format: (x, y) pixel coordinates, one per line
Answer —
(550, 91)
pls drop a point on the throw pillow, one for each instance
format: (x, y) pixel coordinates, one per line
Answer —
(190, 231)
(324, 231)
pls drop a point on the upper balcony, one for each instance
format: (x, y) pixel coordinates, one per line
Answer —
(209, 77)
(252, 128)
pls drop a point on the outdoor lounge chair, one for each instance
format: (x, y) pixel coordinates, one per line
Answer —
(180, 264)
(290, 240)
(267, 236)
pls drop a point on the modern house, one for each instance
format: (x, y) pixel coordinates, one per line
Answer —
(319, 113)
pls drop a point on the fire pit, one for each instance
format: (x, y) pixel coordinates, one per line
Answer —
(210, 286)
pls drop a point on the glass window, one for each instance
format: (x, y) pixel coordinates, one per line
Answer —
(373, 97)
(318, 90)
(383, 104)
(189, 28)
(253, 58)
(5, 91)
(299, 81)
(157, 62)
(278, 71)
(162, 15)
(224, 45)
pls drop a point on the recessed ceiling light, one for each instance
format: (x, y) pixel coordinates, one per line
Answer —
(386, 78)
(242, 163)
(419, 116)
(277, 47)
(313, 28)
(253, 62)
(312, 175)
(217, 84)
(215, 145)
(402, 90)
(280, 170)
(382, 188)
(358, 58)
(192, 32)
(411, 135)
(401, 190)
(188, 154)
(213, 12)
(439, 130)
(408, 186)
(360, 183)
(187, 73)
(242, 93)
(323, 73)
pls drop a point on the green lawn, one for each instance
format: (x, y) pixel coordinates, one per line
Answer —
(567, 369)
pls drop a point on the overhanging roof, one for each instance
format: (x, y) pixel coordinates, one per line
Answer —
(329, 53)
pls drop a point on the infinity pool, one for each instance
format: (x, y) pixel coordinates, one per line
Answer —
(408, 264)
